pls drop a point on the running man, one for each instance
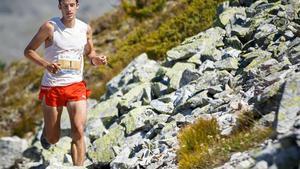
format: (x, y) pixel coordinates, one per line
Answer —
(67, 40)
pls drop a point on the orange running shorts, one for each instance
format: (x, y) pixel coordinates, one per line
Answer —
(56, 96)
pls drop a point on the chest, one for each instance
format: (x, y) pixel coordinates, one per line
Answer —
(70, 38)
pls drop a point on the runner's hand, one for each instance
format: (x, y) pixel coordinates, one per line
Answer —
(53, 67)
(98, 60)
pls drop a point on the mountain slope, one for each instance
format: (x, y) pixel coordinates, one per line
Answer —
(210, 101)
(120, 35)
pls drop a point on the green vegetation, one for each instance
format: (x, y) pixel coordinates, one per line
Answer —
(29, 121)
(2, 65)
(1, 74)
(202, 146)
(142, 8)
(20, 91)
(163, 30)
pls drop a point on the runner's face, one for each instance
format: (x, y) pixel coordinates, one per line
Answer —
(68, 9)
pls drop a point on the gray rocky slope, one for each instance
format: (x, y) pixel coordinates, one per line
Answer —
(251, 61)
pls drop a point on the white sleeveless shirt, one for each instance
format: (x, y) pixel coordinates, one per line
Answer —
(67, 48)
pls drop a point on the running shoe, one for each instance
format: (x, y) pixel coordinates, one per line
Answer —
(45, 144)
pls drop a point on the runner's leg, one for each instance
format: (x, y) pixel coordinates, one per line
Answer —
(77, 112)
(52, 117)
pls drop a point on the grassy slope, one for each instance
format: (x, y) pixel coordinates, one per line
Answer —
(19, 110)
(122, 35)
(202, 146)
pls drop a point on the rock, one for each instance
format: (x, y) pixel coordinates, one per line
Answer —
(261, 165)
(226, 123)
(230, 63)
(270, 92)
(246, 2)
(95, 128)
(137, 119)
(141, 92)
(56, 154)
(199, 100)
(106, 110)
(289, 35)
(158, 89)
(169, 132)
(11, 149)
(256, 58)
(268, 119)
(289, 105)
(195, 44)
(101, 152)
(140, 69)
(145, 72)
(181, 95)
(196, 59)
(228, 14)
(241, 32)
(263, 31)
(234, 42)
(122, 161)
(175, 74)
(207, 65)
(231, 52)
(211, 53)
(282, 155)
(162, 107)
(293, 52)
(239, 161)
(212, 78)
(188, 76)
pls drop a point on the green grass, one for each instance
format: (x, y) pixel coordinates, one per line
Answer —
(1, 74)
(156, 35)
(29, 121)
(202, 146)
(20, 99)
(142, 10)
(2, 65)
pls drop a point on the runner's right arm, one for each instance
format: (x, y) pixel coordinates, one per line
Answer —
(45, 33)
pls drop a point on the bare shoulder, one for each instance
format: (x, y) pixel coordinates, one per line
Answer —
(46, 28)
(89, 29)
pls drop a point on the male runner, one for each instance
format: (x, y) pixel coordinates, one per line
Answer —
(67, 40)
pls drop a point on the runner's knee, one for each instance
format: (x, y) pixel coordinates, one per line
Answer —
(77, 132)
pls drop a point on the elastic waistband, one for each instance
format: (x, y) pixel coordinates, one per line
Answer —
(49, 87)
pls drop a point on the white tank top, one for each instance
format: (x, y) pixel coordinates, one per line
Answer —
(67, 49)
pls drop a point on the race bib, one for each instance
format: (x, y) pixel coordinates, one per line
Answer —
(70, 64)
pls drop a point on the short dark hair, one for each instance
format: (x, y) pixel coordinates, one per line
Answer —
(61, 0)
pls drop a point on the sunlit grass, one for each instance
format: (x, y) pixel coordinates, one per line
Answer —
(202, 146)
(20, 99)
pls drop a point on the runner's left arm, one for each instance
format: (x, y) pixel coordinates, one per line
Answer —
(90, 52)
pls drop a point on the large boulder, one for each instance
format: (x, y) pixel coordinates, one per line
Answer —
(140, 69)
(201, 43)
(11, 149)
(102, 151)
(289, 105)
